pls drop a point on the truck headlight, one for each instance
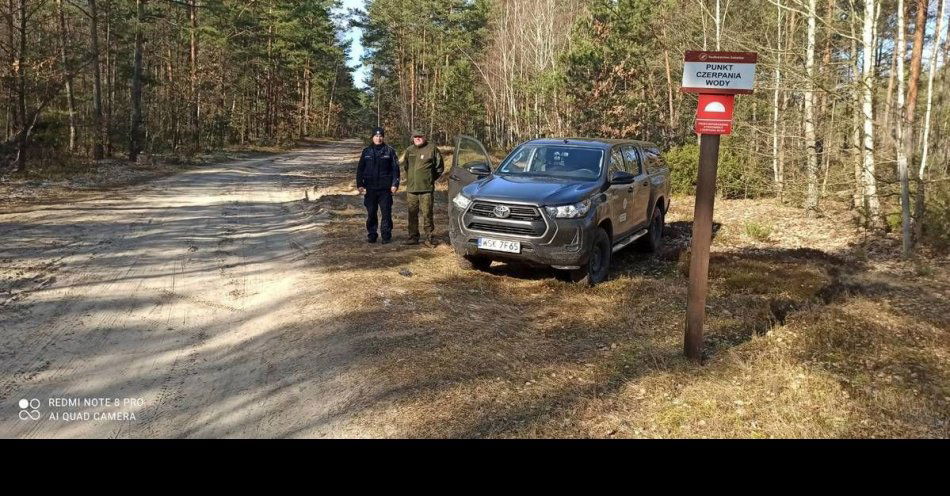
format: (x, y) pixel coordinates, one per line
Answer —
(461, 201)
(573, 211)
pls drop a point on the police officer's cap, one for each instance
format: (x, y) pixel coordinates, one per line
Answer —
(417, 133)
(378, 131)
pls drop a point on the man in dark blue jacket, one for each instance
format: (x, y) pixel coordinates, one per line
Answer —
(377, 177)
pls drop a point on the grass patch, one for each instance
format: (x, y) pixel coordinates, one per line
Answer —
(769, 275)
(757, 231)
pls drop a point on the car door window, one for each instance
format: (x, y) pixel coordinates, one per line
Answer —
(652, 160)
(632, 157)
(658, 162)
(469, 152)
(616, 161)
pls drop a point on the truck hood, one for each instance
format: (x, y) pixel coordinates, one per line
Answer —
(534, 190)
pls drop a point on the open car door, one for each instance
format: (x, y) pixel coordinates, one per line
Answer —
(469, 152)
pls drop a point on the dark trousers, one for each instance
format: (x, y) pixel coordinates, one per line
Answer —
(381, 199)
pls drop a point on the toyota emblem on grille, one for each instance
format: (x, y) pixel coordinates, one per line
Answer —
(502, 212)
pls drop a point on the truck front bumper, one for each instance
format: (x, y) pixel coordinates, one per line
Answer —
(564, 244)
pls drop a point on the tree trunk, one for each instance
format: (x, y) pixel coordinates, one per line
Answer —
(900, 49)
(193, 60)
(326, 128)
(13, 117)
(920, 28)
(856, 129)
(916, 56)
(70, 98)
(775, 107)
(173, 100)
(98, 131)
(135, 126)
(888, 102)
(867, 85)
(20, 71)
(827, 73)
(811, 200)
(305, 130)
(109, 103)
(718, 26)
(669, 88)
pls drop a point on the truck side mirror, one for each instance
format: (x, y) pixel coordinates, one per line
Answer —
(621, 177)
(479, 169)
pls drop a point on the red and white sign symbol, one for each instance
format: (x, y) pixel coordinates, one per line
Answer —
(714, 114)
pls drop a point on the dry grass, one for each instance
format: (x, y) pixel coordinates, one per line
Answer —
(810, 333)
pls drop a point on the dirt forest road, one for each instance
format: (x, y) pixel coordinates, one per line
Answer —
(194, 301)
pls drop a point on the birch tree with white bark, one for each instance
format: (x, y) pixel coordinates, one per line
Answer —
(811, 199)
(871, 201)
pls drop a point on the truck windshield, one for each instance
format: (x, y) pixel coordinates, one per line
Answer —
(554, 160)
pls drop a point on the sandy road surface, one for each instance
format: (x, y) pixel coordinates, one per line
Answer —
(197, 297)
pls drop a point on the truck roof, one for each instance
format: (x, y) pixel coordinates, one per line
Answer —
(602, 142)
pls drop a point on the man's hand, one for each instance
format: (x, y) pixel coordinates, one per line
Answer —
(361, 190)
(394, 189)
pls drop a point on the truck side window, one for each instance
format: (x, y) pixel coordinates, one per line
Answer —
(653, 160)
(616, 161)
(632, 156)
(660, 163)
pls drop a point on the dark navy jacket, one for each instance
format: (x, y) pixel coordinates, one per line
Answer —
(378, 168)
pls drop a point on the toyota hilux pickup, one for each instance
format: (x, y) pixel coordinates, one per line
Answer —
(568, 204)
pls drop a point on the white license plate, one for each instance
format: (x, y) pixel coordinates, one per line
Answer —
(499, 245)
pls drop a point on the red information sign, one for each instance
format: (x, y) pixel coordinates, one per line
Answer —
(714, 114)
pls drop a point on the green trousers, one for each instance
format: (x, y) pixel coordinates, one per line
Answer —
(417, 202)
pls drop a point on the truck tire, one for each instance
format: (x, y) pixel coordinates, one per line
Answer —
(653, 241)
(598, 264)
(472, 262)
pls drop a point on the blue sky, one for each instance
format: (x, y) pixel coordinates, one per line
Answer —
(356, 48)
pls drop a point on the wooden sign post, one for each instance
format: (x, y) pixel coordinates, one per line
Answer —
(717, 77)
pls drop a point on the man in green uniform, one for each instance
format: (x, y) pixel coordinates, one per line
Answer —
(421, 165)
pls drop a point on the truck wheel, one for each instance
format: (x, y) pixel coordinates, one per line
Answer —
(598, 264)
(471, 262)
(653, 241)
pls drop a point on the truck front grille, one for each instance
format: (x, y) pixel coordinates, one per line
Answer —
(506, 229)
(518, 212)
